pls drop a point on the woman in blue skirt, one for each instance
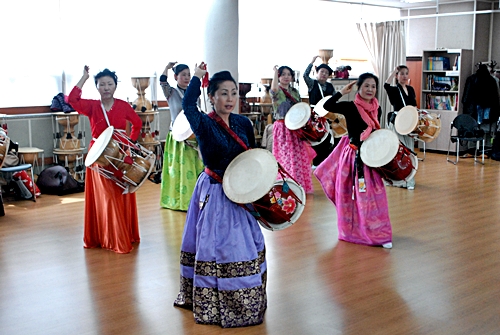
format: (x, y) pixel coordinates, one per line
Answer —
(223, 266)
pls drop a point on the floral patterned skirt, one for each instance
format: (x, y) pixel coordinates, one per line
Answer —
(294, 155)
(362, 217)
(223, 265)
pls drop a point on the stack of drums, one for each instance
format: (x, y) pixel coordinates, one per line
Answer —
(68, 143)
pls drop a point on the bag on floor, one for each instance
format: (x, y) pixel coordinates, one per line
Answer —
(22, 178)
(57, 180)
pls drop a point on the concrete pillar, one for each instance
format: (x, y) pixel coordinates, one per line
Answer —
(221, 37)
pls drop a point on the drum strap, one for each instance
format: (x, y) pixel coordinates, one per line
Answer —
(288, 95)
(213, 115)
(401, 94)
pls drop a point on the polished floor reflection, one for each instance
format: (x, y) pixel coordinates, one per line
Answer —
(441, 277)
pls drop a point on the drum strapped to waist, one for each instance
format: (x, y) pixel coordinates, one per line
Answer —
(383, 152)
(115, 156)
(182, 132)
(307, 124)
(276, 204)
(419, 123)
(4, 146)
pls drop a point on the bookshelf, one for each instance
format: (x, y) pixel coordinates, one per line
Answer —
(444, 72)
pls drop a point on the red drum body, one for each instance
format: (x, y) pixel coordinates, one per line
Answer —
(308, 125)
(383, 151)
(275, 204)
(281, 206)
(114, 156)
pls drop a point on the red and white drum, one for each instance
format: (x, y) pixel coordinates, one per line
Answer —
(114, 156)
(308, 125)
(383, 151)
(275, 204)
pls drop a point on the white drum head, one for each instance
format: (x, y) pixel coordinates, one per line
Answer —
(301, 194)
(406, 120)
(99, 145)
(181, 129)
(297, 116)
(318, 109)
(250, 176)
(379, 148)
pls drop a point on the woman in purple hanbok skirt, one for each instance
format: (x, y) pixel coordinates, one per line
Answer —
(223, 266)
(356, 190)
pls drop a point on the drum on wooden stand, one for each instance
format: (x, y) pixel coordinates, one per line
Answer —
(308, 125)
(114, 156)
(383, 151)
(276, 204)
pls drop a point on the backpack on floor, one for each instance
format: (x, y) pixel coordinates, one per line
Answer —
(56, 180)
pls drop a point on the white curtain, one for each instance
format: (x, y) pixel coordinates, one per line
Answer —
(386, 43)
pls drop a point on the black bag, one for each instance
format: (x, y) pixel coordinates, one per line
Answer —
(56, 180)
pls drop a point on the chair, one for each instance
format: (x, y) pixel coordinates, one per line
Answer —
(466, 130)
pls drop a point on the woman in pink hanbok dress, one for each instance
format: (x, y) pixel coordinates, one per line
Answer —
(357, 190)
(294, 154)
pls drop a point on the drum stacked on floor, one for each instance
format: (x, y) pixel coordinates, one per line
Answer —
(69, 142)
(150, 131)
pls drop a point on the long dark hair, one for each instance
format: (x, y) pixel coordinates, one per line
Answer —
(106, 73)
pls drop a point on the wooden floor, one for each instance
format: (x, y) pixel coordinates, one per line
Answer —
(441, 277)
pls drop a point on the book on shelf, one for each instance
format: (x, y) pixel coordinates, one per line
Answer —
(438, 63)
(441, 102)
(440, 83)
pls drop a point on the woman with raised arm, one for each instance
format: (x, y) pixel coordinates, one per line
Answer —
(223, 266)
(400, 96)
(357, 190)
(181, 161)
(294, 154)
(111, 220)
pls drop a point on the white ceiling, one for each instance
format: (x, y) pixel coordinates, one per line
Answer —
(406, 4)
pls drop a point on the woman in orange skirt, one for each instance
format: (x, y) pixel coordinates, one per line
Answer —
(111, 220)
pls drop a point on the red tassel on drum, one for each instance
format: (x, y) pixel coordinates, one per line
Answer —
(118, 174)
(128, 160)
